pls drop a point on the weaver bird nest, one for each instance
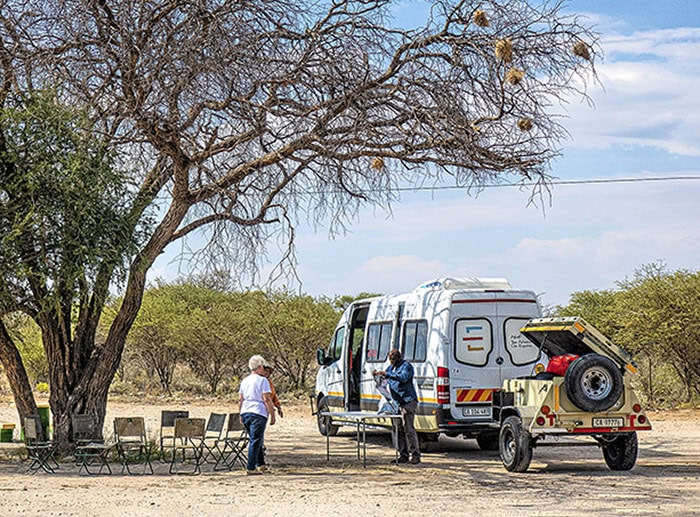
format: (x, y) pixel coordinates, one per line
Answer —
(378, 164)
(504, 50)
(581, 50)
(514, 76)
(480, 18)
(525, 124)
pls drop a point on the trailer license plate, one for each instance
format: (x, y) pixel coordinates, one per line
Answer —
(608, 422)
(476, 411)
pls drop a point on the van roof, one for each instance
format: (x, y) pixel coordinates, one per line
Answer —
(454, 284)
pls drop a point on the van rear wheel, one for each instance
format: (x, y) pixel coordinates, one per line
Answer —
(324, 423)
(514, 445)
(487, 441)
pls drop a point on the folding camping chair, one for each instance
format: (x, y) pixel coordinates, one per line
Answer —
(90, 447)
(132, 443)
(40, 450)
(235, 443)
(189, 438)
(212, 437)
(167, 428)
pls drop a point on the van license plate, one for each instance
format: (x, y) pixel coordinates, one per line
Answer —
(608, 422)
(476, 411)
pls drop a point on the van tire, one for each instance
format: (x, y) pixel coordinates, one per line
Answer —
(488, 441)
(514, 445)
(426, 441)
(324, 426)
(620, 452)
(593, 383)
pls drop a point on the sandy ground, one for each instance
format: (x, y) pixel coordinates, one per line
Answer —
(455, 478)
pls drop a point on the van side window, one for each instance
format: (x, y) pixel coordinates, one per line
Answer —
(520, 349)
(378, 341)
(415, 340)
(336, 346)
(472, 341)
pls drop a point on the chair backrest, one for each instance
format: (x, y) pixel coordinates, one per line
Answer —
(189, 427)
(33, 431)
(167, 418)
(234, 423)
(215, 424)
(130, 429)
(84, 428)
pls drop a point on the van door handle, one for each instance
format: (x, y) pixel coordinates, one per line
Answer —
(499, 360)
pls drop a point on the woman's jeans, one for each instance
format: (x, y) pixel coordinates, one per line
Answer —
(255, 425)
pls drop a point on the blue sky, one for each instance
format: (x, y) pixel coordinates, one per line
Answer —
(645, 124)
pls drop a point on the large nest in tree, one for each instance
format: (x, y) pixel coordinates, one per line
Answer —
(504, 50)
(480, 18)
(514, 76)
(581, 50)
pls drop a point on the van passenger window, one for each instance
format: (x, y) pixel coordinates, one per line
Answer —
(520, 349)
(415, 340)
(473, 341)
(378, 342)
(336, 346)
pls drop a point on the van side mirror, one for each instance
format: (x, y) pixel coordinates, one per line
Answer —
(321, 357)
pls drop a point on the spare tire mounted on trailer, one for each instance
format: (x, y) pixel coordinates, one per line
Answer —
(594, 383)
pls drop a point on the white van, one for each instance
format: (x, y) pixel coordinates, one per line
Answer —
(462, 337)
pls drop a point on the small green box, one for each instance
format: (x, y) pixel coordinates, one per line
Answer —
(6, 432)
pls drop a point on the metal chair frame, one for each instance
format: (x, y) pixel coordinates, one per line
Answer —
(235, 443)
(40, 450)
(90, 447)
(132, 444)
(167, 429)
(212, 437)
(189, 438)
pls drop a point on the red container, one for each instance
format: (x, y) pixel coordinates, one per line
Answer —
(559, 363)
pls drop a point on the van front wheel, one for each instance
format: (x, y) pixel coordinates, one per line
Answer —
(514, 445)
(324, 423)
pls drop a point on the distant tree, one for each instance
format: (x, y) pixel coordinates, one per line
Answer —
(289, 329)
(659, 314)
(234, 119)
(211, 332)
(342, 302)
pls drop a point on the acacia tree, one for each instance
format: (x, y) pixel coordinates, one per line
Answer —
(236, 117)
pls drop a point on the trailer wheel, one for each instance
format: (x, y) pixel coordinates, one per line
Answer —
(620, 452)
(514, 445)
(593, 383)
(487, 441)
(324, 425)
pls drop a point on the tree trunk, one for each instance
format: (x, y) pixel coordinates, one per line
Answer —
(16, 375)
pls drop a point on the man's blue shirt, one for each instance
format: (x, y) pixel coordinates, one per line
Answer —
(401, 382)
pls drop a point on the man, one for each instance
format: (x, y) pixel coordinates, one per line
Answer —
(254, 406)
(400, 378)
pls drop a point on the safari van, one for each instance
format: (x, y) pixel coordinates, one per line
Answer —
(462, 336)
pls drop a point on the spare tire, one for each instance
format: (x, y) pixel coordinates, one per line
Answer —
(593, 383)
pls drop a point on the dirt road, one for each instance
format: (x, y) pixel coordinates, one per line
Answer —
(456, 478)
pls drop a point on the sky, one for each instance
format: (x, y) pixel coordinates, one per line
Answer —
(594, 231)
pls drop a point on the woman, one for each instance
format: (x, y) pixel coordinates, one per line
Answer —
(255, 405)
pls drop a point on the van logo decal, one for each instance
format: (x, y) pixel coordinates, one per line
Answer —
(474, 338)
(483, 395)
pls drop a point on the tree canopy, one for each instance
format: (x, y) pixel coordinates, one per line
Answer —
(236, 120)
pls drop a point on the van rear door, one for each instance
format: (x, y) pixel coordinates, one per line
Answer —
(486, 346)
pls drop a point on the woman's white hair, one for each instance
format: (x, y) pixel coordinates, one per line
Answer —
(256, 362)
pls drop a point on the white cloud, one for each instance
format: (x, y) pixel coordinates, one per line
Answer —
(649, 96)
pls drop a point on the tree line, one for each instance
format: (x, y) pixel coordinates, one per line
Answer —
(655, 316)
(193, 338)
